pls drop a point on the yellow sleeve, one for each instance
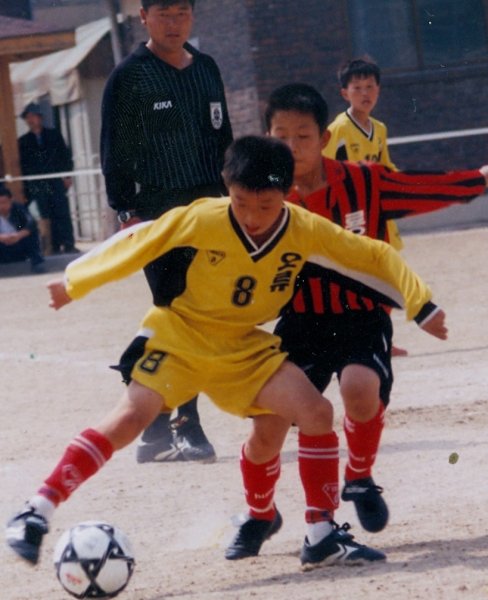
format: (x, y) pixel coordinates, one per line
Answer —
(371, 262)
(125, 253)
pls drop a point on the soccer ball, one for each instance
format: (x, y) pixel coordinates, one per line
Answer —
(93, 560)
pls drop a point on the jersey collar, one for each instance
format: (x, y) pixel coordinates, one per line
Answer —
(367, 134)
(142, 51)
(253, 250)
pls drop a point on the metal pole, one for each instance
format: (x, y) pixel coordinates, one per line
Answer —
(115, 32)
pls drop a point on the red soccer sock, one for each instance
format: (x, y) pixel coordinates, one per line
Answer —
(363, 440)
(84, 456)
(259, 486)
(318, 464)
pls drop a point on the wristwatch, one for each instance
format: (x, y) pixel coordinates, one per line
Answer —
(125, 215)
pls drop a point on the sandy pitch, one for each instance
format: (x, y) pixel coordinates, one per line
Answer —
(55, 382)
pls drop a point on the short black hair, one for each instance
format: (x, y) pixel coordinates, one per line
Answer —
(358, 67)
(300, 97)
(259, 163)
(146, 4)
(4, 191)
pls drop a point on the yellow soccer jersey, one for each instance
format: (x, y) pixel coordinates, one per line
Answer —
(349, 141)
(220, 282)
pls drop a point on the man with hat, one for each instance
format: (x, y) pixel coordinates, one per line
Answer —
(43, 151)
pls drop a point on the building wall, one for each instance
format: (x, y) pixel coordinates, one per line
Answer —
(261, 45)
(71, 15)
(20, 9)
(442, 100)
(222, 28)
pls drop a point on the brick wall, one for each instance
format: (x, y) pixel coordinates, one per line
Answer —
(222, 29)
(261, 44)
(442, 100)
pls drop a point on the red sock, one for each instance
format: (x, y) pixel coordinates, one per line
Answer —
(259, 485)
(85, 455)
(318, 464)
(363, 440)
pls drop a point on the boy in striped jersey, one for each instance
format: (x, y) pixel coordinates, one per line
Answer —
(165, 128)
(333, 327)
(232, 263)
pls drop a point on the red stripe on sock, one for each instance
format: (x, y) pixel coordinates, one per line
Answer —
(259, 485)
(363, 440)
(318, 464)
(84, 456)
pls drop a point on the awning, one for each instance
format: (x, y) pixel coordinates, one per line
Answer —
(56, 74)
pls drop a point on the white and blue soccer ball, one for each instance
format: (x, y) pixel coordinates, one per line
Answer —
(94, 560)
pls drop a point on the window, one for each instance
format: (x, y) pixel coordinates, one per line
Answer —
(451, 31)
(414, 34)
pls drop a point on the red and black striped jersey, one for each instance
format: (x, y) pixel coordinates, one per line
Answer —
(362, 197)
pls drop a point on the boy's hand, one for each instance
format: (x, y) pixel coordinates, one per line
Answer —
(436, 326)
(59, 297)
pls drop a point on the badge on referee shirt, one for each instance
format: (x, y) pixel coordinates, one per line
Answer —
(216, 114)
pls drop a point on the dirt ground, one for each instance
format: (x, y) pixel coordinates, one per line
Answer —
(55, 382)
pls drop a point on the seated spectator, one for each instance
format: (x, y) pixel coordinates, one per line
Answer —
(19, 238)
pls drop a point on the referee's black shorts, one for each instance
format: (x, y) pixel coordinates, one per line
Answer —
(322, 346)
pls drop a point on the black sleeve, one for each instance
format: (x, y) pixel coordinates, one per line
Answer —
(117, 145)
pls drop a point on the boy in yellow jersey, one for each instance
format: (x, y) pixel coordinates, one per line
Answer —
(232, 264)
(356, 135)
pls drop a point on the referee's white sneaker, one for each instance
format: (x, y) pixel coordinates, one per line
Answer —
(191, 441)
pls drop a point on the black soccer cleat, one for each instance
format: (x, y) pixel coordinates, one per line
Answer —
(337, 548)
(24, 534)
(370, 506)
(251, 536)
(191, 441)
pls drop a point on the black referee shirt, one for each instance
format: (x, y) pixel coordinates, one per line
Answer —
(164, 128)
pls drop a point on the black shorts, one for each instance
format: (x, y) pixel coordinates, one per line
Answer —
(322, 346)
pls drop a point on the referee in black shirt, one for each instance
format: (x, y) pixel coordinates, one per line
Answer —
(165, 129)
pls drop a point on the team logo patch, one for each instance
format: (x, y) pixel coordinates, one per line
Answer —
(331, 491)
(71, 477)
(216, 114)
(215, 256)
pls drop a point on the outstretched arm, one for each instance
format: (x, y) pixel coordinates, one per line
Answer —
(59, 296)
